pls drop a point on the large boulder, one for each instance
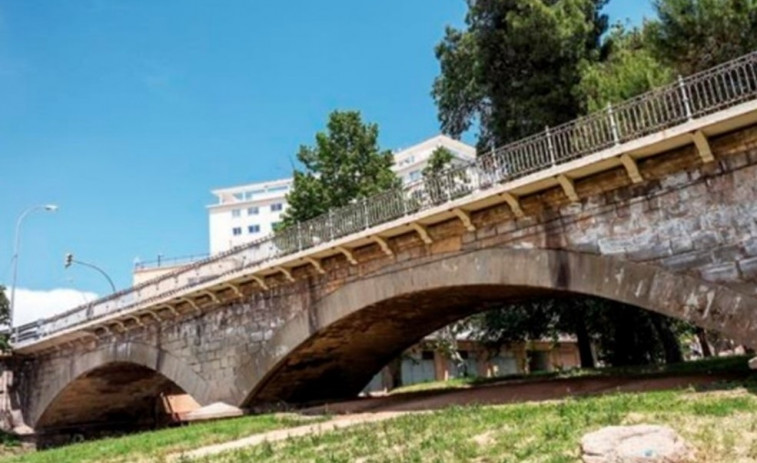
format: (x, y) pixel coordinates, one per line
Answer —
(635, 444)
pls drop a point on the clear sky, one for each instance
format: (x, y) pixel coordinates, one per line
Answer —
(126, 114)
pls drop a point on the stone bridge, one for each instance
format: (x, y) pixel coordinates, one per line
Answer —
(666, 222)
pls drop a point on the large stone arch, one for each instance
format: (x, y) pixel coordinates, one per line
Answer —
(143, 358)
(332, 349)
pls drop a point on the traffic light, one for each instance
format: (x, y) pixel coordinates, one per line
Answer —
(69, 260)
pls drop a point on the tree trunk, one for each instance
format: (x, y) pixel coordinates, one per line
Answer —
(668, 338)
(584, 345)
(395, 372)
(702, 338)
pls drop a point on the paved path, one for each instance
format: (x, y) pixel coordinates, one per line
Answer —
(342, 421)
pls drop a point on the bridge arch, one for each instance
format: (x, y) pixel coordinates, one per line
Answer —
(333, 349)
(112, 378)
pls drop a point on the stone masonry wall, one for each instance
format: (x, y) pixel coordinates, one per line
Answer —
(688, 217)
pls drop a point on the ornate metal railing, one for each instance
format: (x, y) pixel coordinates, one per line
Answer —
(721, 87)
(162, 262)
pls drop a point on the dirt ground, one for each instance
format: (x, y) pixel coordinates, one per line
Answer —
(517, 391)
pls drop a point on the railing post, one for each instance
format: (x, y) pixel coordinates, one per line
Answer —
(550, 146)
(331, 225)
(685, 97)
(365, 213)
(613, 124)
(299, 236)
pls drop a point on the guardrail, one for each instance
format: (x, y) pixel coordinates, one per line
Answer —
(161, 262)
(724, 86)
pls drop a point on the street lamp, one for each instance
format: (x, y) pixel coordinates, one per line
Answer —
(70, 260)
(17, 243)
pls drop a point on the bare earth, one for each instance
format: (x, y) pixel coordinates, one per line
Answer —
(368, 410)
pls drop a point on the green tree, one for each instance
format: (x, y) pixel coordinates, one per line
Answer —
(693, 35)
(439, 160)
(344, 164)
(629, 69)
(4, 320)
(516, 66)
(624, 335)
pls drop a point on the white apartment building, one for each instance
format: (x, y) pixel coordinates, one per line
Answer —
(247, 212)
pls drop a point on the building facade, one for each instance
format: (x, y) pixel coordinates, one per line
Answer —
(245, 213)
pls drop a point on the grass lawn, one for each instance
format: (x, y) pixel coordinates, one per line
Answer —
(720, 422)
(156, 445)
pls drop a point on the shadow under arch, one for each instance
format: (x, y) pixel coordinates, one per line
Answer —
(114, 383)
(334, 348)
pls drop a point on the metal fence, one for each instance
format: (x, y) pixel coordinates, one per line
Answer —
(718, 88)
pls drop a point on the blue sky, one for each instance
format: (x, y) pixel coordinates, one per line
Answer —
(126, 113)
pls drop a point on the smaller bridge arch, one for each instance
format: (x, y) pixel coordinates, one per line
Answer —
(333, 349)
(111, 380)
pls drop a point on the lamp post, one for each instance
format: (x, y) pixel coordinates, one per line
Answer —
(16, 245)
(70, 260)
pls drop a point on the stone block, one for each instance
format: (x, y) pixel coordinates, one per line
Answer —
(650, 252)
(589, 247)
(720, 273)
(681, 244)
(446, 245)
(705, 239)
(675, 180)
(748, 268)
(486, 232)
(504, 228)
(688, 261)
(635, 444)
(736, 161)
(750, 247)
(727, 254)
(614, 246)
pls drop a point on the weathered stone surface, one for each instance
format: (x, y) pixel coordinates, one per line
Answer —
(721, 273)
(635, 444)
(748, 268)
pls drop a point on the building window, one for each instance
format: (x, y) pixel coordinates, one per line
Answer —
(415, 175)
(275, 226)
(235, 213)
(236, 231)
(276, 207)
(253, 228)
(252, 210)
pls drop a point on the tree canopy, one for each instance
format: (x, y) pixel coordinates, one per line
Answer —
(623, 334)
(4, 320)
(516, 66)
(693, 35)
(344, 164)
(629, 69)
